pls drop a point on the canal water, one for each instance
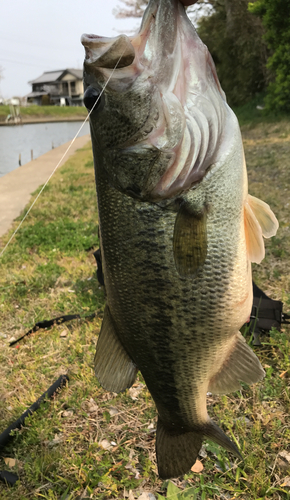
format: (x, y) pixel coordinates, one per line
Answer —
(38, 137)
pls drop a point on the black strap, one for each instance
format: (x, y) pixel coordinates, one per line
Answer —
(100, 274)
(55, 321)
(9, 477)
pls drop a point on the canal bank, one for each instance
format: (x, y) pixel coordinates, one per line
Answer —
(42, 119)
(16, 186)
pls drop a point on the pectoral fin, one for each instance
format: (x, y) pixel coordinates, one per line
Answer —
(254, 238)
(259, 221)
(189, 240)
(114, 369)
(264, 215)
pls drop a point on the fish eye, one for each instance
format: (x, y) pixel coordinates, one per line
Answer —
(92, 98)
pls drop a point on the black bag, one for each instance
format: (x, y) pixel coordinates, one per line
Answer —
(266, 314)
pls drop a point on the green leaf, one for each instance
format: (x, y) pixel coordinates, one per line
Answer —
(190, 494)
(173, 492)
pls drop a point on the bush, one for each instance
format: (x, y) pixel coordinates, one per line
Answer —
(275, 15)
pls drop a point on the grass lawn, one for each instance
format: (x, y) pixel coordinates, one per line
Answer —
(49, 112)
(86, 442)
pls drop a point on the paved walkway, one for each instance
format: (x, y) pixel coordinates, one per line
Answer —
(16, 186)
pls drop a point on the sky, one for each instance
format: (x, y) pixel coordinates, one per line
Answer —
(44, 35)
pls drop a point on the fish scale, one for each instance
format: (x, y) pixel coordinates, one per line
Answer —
(178, 229)
(133, 323)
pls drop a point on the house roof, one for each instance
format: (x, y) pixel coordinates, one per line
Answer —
(35, 94)
(76, 72)
(53, 76)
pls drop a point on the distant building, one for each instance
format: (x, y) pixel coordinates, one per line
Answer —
(62, 87)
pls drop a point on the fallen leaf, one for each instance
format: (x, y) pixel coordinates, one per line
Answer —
(282, 375)
(67, 413)
(135, 391)
(202, 452)
(11, 462)
(147, 496)
(244, 420)
(197, 467)
(113, 411)
(285, 454)
(63, 333)
(286, 482)
(105, 444)
(92, 406)
(283, 465)
(58, 438)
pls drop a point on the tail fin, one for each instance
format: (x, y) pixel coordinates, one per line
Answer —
(212, 431)
(176, 453)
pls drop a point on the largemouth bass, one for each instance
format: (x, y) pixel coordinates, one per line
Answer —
(178, 228)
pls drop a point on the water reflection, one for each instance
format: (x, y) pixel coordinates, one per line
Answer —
(38, 137)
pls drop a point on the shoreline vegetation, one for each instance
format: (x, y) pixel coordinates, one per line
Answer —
(250, 114)
(42, 114)
(86, 442)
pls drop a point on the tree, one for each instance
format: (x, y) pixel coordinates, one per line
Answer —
(234, 38)
(275, 15)
(135, 8)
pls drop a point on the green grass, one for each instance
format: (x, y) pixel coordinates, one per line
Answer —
(60, 453)
(249, 113)
(34, 111)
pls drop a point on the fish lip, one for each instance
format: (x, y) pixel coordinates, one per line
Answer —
(89, 39)
(91, 42)
(105, 52)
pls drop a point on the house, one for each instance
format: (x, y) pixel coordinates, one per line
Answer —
(60, 87)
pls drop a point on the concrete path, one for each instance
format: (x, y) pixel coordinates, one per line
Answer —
(16, 186)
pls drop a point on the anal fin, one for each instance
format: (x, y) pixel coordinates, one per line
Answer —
(242, 365)
(114, 369)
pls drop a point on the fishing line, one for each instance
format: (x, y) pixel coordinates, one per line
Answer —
(63, 156)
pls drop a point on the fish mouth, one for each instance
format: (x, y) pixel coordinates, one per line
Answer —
(168, 53)
(108, 53)
(148, 45)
